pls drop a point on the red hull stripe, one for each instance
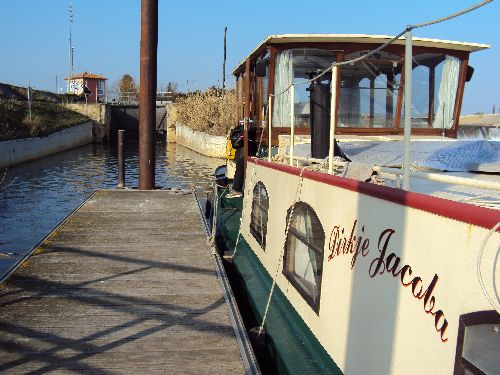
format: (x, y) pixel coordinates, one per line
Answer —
(479, 216)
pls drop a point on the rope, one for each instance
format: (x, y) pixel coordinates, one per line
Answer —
(296, 199)
(479, 261)
(449, 17)
(392, 40)
(214, 221)
(242, 213)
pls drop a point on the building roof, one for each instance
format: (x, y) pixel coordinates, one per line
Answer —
(86, 75)
(359, 38)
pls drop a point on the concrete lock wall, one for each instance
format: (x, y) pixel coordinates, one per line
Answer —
(21, 150)
(99, 113)
(205, 144)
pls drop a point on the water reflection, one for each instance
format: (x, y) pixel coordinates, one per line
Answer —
(36, 196)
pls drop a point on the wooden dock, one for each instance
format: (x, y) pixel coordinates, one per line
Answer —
(125, 285)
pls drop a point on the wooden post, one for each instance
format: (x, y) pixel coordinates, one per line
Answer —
(258, 101)
(246, 115)
(121, 159)
(432, 85)
(399, 105)
(236, 90)
(269, 126)
(270, 81)
(372, 101)
(460, 93)
(389, 106)
(292, 122)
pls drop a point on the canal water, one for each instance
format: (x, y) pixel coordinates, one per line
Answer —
(36, 196)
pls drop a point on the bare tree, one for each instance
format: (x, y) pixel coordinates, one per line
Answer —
(172, 87)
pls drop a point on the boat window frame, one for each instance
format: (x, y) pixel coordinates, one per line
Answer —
(469, 320)
(345, 48)
(290, 276)
(254, 228)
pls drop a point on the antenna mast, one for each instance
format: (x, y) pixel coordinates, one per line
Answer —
(70, 51)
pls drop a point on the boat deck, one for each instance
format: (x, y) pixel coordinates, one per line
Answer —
(473, 160)
(125, 285)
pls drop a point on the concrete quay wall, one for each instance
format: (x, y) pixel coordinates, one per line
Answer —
(202, 143)
(21, 150)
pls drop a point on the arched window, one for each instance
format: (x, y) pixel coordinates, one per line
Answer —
(260, 207)
(303, 263)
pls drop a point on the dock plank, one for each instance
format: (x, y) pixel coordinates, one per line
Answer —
(126, 285)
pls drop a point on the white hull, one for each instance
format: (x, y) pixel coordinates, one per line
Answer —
(368, 321)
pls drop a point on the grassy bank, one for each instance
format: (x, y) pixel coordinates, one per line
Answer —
(46, 118)
(212, 111)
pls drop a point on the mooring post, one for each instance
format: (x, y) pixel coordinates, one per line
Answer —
(121, 159)
(147, 93)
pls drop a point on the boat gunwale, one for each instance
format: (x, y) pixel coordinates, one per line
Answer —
(466, 213)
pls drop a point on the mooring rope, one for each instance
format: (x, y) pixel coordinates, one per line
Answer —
(216, 211)
(242, 213)
(296, 199)
(449, 17)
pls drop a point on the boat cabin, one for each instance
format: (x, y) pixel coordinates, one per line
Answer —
(369, 93)
(370, 278)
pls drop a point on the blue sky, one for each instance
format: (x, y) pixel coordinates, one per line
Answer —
(106, 34)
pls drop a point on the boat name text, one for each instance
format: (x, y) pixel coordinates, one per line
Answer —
(389, 263)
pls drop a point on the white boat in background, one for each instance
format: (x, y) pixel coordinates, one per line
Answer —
(369, 278)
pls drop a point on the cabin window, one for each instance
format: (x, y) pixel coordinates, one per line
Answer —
(369, 90)
(303, 259)
(434, 90)
(297, 66)
(260, 208)
(478, 344)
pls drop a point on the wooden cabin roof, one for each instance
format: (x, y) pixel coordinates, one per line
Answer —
(358, 38)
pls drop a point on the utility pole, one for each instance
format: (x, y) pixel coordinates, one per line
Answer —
(224, 63)
(147, 93)
(30, 100)
(70, 53)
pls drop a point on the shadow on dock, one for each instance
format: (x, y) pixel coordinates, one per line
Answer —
(126, 285)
